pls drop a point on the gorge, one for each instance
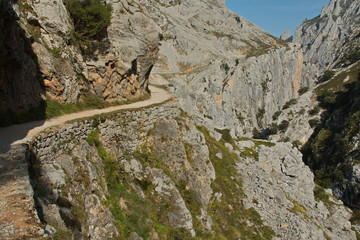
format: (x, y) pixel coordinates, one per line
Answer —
(251, 137)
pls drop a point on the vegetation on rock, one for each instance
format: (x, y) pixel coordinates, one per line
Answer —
(91, 18)
(339, 126)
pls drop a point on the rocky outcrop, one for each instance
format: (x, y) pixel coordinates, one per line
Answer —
(45, 61)
(223, 69)
(280, 181)
(20, 87)
(329, 38)
(286, 36)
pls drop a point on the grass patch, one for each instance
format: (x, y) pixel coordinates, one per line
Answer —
(127, 207)
(298, 208)
(321, 195)
(49, 109)
(188, 151)
(56, 52)
(338, 83)
(90, 101)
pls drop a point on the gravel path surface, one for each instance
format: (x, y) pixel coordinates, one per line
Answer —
(22, 133)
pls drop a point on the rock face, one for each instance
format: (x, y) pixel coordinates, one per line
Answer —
(280, 181)
(183, 169)
(153, 174)
(330, 37)
(224, 69)
(331, 41)
(37, 44)
(286, 36)
(19, 84)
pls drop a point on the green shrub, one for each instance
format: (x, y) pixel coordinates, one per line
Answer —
(321, 141)
(260, 115)
(273, 129)
(225, 67)
(161, 37)
(303, 90)
(91, 18)
(327, 99)
(328, 74)
(297, 144)
(276, 115)
(314, 122)
(302, 111)
(352, 57)
(289, 103)
(256, 133)
(314, 111)
(287, 139)
(284, 125)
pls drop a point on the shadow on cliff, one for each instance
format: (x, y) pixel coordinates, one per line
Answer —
(331, 152)
(21, 87)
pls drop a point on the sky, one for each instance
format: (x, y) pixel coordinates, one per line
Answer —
(275, 16)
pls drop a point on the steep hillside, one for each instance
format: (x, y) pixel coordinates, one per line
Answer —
(225, 71)
(154, 174)
(184, 169)
(66, 51)
(329, 115)
(333, 37)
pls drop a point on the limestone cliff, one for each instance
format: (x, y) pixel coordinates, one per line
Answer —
(224, 69)
(20, 87)
(332, 36)
(43, 60)
(326, 119)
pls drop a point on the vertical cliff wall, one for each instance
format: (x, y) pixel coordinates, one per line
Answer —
(20, 85)
(44, 58)
(226, 71)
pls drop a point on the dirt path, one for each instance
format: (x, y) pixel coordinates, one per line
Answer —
(22, 133)
(18, 218)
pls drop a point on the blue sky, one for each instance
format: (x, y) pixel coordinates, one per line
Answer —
(274, 16)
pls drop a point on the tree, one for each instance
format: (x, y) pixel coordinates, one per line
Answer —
(90, 18)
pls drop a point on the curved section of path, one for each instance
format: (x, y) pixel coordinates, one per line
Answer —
(18, 217)
(22, 133)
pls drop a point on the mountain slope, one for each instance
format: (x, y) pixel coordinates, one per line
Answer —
(331, 37)
(224, 69)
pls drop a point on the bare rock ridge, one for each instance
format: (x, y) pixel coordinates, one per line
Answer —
(330, 37)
